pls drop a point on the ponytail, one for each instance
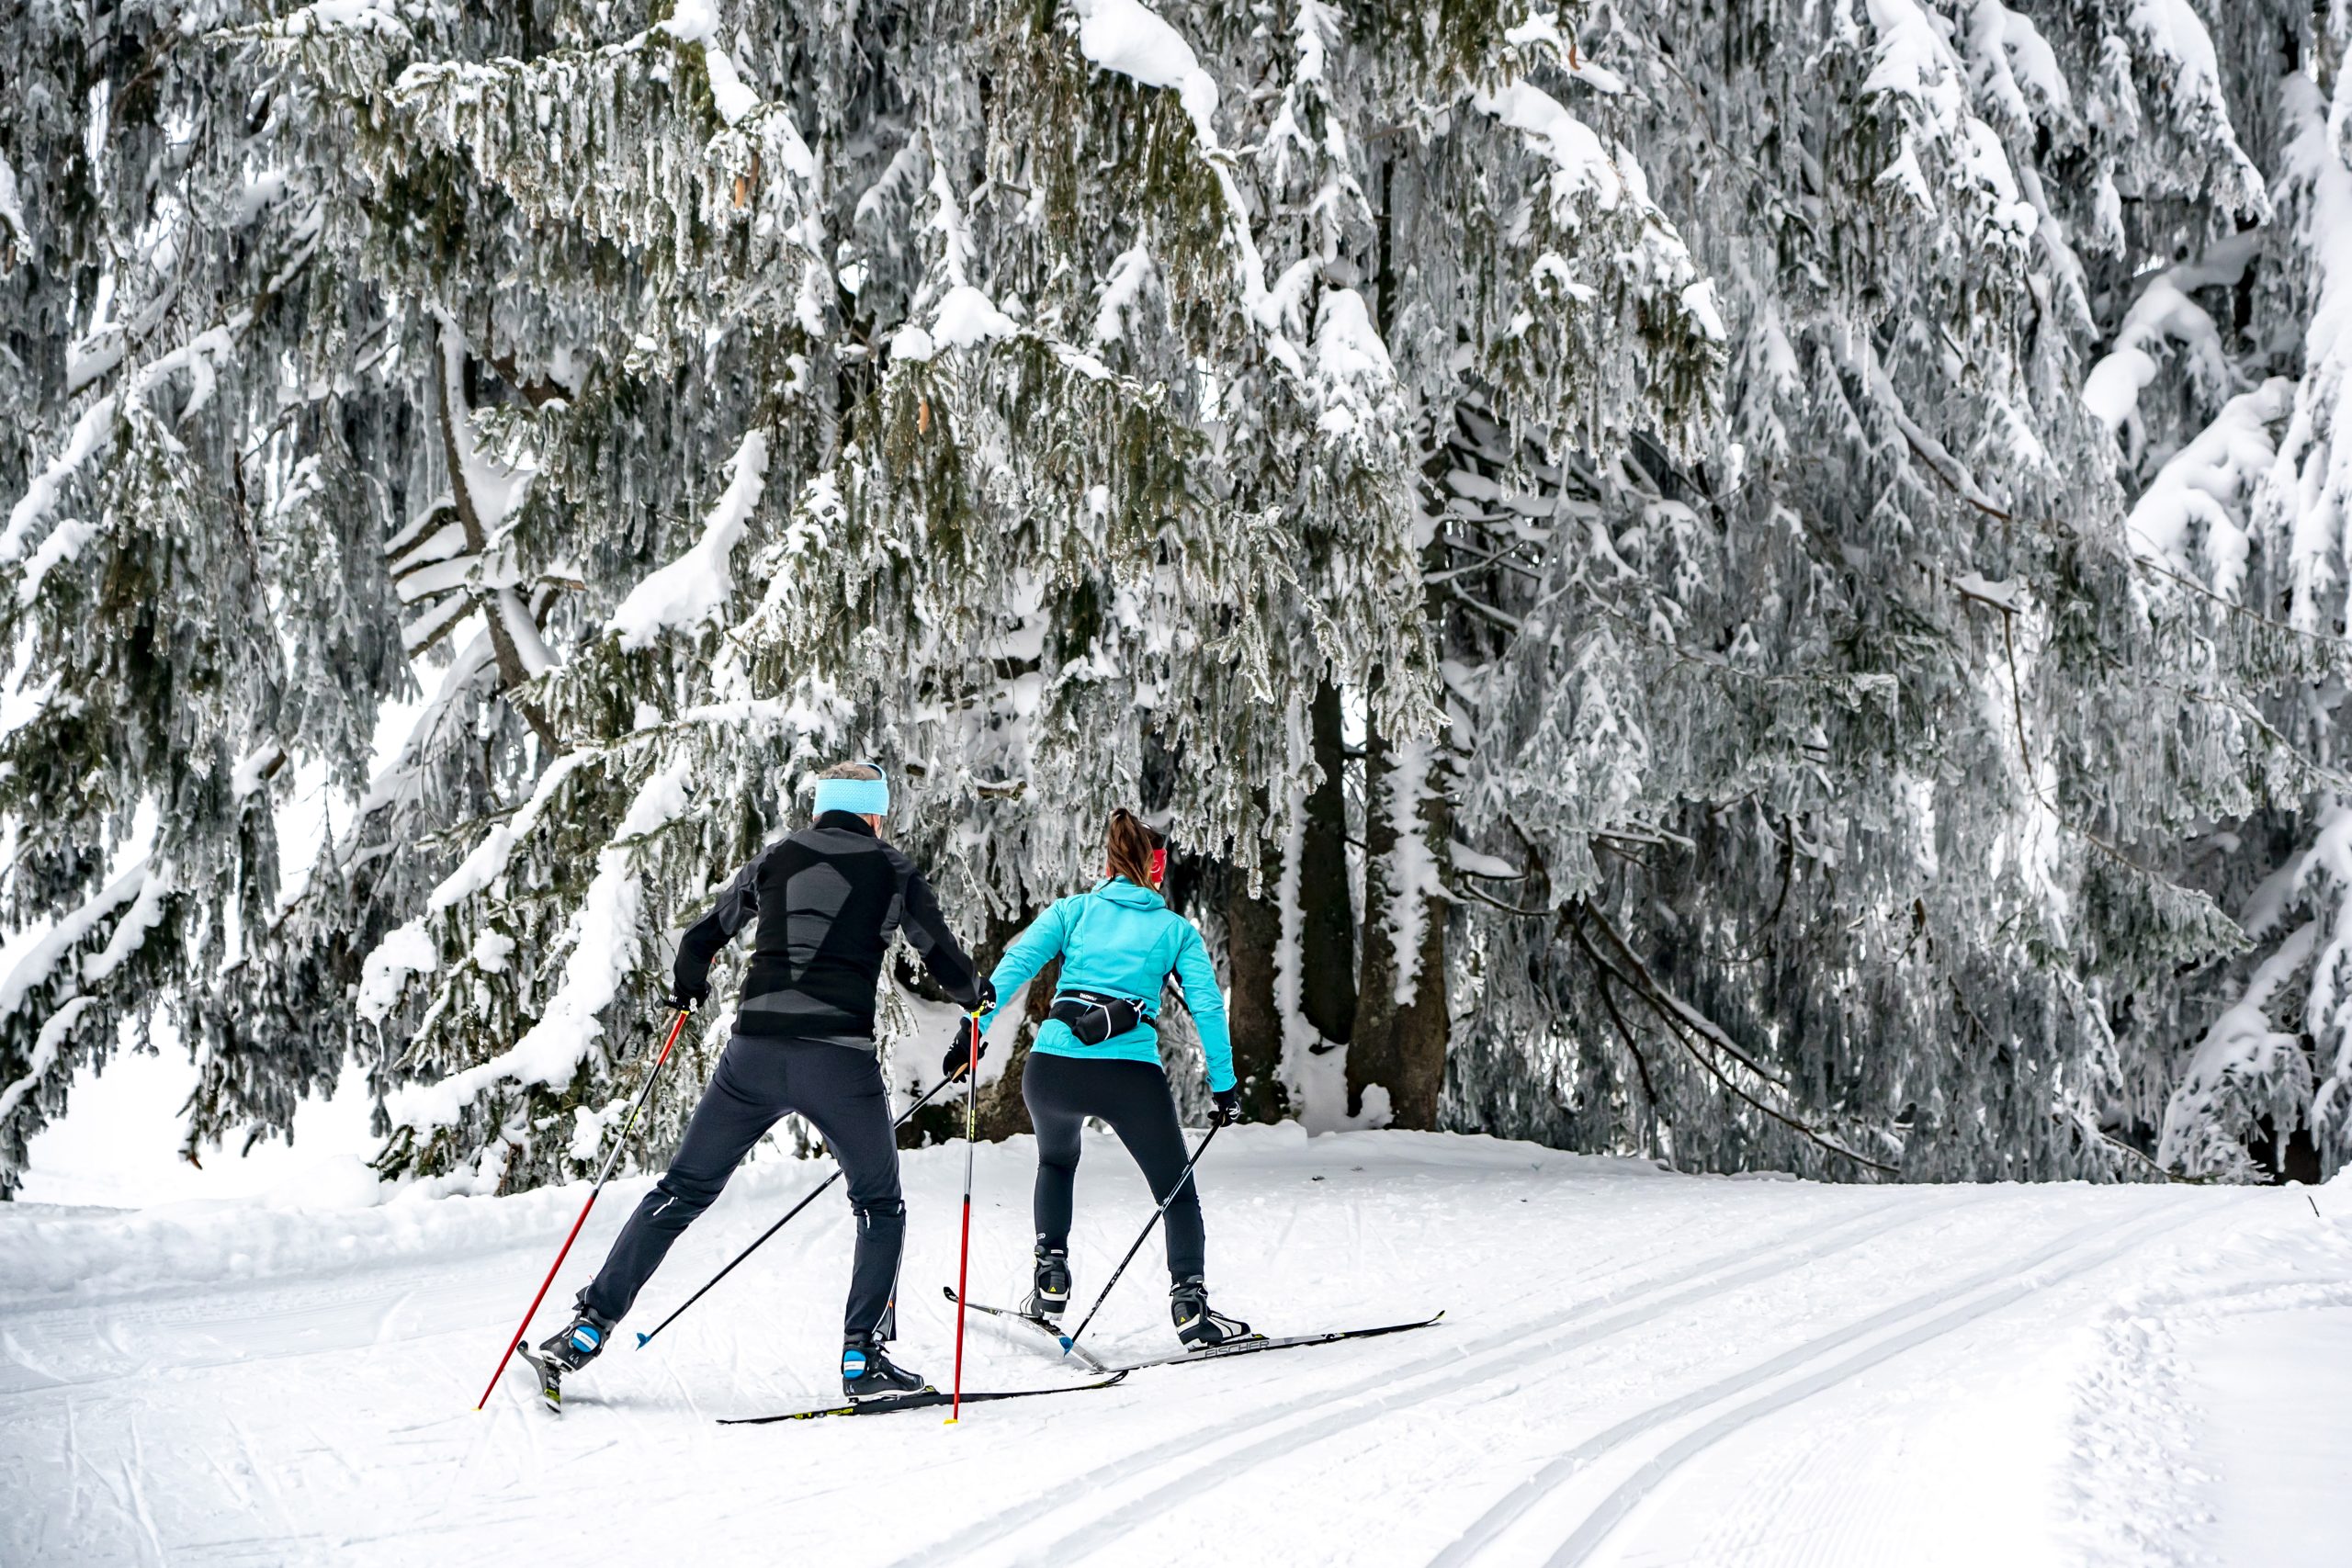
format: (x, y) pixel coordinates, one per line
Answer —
(1130, 845)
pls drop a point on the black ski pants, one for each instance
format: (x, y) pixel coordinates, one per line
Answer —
(839, 1088)
(1062, 1093)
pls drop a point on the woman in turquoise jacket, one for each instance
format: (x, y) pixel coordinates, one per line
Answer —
(1097, 1054)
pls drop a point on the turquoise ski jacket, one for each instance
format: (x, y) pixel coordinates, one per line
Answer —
(1122, 941)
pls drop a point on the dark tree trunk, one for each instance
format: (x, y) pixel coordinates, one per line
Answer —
(1398, 1045)
(1327, 953)
(1002, 1113)
(1253, 930)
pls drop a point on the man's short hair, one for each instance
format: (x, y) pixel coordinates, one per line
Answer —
(852, 771)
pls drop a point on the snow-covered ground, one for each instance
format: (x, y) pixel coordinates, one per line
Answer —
(1635, 1368)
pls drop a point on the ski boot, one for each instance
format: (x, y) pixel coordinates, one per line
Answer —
(867, 1373)
(1051, 1293)
(1196, 1325)
(569, 1351)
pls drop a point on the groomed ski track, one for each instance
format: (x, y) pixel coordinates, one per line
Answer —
(1635, 1368)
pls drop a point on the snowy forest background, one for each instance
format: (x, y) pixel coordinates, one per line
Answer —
(1763, 584)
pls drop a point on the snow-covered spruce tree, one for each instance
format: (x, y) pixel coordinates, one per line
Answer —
(1301, 419)
(194, 590)
(1104, 469)
(2226, 380)
(1839, 781)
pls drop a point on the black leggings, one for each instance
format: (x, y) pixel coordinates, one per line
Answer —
(1062, 1093)
(839, 1088)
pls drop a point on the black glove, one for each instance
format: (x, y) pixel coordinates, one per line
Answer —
(1228, 1106)
(688, 990)
(984, 989)
(959, 1055)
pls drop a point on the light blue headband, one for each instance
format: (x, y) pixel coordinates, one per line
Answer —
(867, 797)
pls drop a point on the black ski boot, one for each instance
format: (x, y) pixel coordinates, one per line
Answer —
(569, 1351)
(867, 1372)
(1196, 1325)
(1051, 1293)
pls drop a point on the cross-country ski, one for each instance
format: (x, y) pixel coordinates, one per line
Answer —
(1240, 1347)
(920, 1399)
(1591, 747)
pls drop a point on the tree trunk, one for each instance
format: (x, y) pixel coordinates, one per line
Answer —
(1400, 1045)
(514, 672)
(1253, 930)
(1327, 955)
(1003, 1113)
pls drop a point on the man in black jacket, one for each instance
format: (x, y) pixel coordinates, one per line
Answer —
(824, 903)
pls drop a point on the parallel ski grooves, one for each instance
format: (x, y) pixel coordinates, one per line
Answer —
(2008, 1285)
(1562, 1333)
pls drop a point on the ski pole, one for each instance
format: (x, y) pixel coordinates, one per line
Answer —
(643, 1340)
(652, 1075)
(1071, 1340)
(964, 1263)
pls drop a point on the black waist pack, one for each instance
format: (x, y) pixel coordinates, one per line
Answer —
(1094, 1017)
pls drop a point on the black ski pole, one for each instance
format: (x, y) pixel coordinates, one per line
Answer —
(643, 1340)
(1156, 1216)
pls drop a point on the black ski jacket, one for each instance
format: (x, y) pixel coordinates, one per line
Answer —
(827, 899)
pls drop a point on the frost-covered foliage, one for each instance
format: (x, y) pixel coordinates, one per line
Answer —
(1750, 581)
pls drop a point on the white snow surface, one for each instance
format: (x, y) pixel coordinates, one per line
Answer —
(1635, 1368)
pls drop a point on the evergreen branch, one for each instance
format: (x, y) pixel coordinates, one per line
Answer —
(1605, 974)
(1659, 1001)
(1692, 1017)
(2025, 762)
(1506, 908)
(2324, 639)
(2084, 1125)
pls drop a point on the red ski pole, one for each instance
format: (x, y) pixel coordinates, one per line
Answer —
(603, 1176)
(963, 1264)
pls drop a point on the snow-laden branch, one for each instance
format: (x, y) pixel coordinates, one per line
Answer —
(2175, 40)
(1914, 67)
(2164, 313)
(38, 966)
(605, 936)
(1606, 178)
(12, 213)
(2210, 482)
(139, 895)
(95, 429)
(689, 591)
(1128, 38)
(2242, 1071)
(2310, 486)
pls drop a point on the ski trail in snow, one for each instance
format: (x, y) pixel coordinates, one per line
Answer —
(133, 1466)
(322, 1410)
(1579, 1546)
(2008, 1284)
(1499, 1354)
